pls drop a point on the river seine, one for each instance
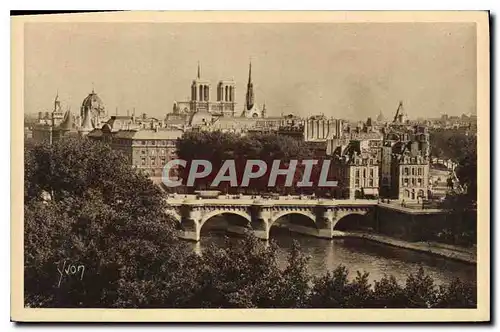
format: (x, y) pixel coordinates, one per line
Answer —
(358, 254)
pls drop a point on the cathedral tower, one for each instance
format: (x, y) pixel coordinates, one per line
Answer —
(200, 89)
(226, 90)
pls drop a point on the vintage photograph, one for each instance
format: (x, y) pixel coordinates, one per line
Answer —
(258, 164)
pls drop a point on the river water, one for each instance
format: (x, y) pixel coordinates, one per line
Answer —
(357, 254)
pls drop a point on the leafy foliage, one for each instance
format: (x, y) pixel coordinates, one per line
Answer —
(104, 216)
(450, 143)
(461, 148)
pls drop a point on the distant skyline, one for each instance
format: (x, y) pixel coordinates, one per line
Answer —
(347, 70)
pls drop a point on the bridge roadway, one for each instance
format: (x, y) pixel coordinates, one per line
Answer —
(259, 214)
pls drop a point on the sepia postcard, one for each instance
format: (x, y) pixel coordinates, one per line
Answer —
(251, 167)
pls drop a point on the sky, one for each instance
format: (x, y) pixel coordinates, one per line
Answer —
(343, 70)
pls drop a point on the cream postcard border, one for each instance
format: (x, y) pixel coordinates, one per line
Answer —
(482, 313)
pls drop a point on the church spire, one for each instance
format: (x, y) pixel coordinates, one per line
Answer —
(250, 73)
(198, 70)
(249, 96)
(400, 116)
(57, 103)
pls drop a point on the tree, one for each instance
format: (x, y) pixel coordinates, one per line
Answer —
(462, 206)
(420, 290)
(241, 275)
(450, 143)
(331, 289)
(456, 294)
(101, 215)
(293, 286)
(467, 174)
(387, 293)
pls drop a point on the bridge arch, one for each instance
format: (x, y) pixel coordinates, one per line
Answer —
(351, 220)
(279, 215)
(212, 214)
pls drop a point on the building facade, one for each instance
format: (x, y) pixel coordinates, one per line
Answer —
(411, 175)
(404, 167)
(357, 173)
(147, 149)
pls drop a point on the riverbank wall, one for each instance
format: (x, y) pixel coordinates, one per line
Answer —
(461, 254)
(422, 224)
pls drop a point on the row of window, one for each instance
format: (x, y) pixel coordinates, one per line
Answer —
(413, 195)
(364, 173)
(370, 183)
(414, 182)
(153, 161)
(414, 171)
(153, 152)
(157, 142)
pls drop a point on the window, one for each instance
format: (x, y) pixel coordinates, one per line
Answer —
(143, 142)
(152, 152)
(143, 161)
(405, 182)
(419, 182)
(364, 173)
(163, 161)
(371, 172)
(162, 151)
(370, 183)
(406, 171)
(153, 142)
(412, 171)
(143, 151)
(153, 161)
(419, 171)
(412, 181)
(357, 173)
(371, 161)
(356, 183)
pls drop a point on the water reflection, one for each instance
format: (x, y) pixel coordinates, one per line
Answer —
(356, 254)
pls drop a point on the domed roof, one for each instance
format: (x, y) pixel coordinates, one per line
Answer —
(380, 117)
(200, 118)
(93, 101)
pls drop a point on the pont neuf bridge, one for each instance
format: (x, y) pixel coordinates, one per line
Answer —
(324, 218)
